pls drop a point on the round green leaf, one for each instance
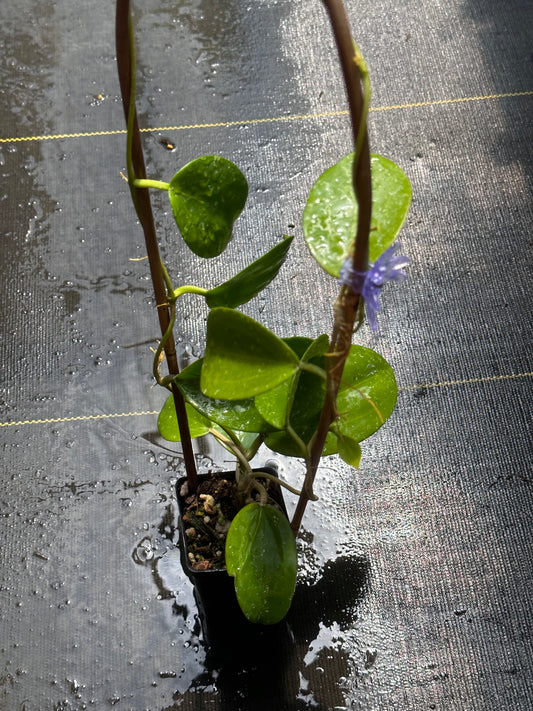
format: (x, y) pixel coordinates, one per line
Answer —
(367, 394)
(250, 281)
(242, 357)
(207, 195)
(167, 422)
(330, 215)
(274, 404)
(261, 556)
(234, 414)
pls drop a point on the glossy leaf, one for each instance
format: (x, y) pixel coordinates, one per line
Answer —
(304, 415)
(250, 281)
(274, 404)
(367, 394)
(235, 414)
(299, 344)
(330, 215)
(261, 556)
(207, 195)
(316, 348)
(242, 357)
(366, 398)
(167, 422)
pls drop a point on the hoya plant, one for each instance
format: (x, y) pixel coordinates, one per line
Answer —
(304, 397)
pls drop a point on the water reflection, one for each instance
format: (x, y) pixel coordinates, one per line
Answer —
(300, 663)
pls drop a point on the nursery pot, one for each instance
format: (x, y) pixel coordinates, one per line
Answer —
(221, 617)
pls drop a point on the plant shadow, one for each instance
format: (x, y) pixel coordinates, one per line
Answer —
(296, 664)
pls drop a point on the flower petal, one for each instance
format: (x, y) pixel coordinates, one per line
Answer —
(388, 267)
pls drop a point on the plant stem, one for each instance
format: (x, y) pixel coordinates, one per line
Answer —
(148, 183)
(161, 347)
(277, 480)
(347, 305)
(189, 289)
(231, 443)
(141, 200)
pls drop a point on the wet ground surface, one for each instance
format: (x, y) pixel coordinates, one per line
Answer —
(415, 570)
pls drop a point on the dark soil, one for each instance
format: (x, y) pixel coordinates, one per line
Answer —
(207, 515)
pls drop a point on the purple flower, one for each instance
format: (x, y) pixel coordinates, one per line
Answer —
(387, 267)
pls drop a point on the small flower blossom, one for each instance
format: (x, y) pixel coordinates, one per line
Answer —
(388, 267)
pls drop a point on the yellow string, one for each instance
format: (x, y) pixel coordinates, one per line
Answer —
(404, 388)
(78, 418)
(468, 381)
(274, 119)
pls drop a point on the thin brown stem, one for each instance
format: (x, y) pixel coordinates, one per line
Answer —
(347, 304)
(141, 198)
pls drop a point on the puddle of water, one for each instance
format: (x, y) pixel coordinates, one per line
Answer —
(99, 611)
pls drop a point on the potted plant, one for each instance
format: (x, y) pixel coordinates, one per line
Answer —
(301, 397)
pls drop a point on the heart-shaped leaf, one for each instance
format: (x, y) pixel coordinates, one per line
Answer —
(330, 215)
(234, 414)
(242, 357)
(167, 422)
(261, 556)
(250, 281)
(207, 195)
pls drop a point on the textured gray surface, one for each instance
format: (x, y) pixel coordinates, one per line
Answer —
(416, 578)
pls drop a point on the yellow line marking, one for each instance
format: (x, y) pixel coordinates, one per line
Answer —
(78, 418)
(468, 381)
(81, 418)
(460, 100)
(274, 119)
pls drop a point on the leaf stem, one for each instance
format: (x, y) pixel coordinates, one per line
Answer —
(148, 183)
(188, 289)
(298, 441)
(162, 343)
(230, 443)
(365, 78)
(263, 496)
(277, 480)
(168, 283)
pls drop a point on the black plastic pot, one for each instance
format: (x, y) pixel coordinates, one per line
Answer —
(221, 617)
